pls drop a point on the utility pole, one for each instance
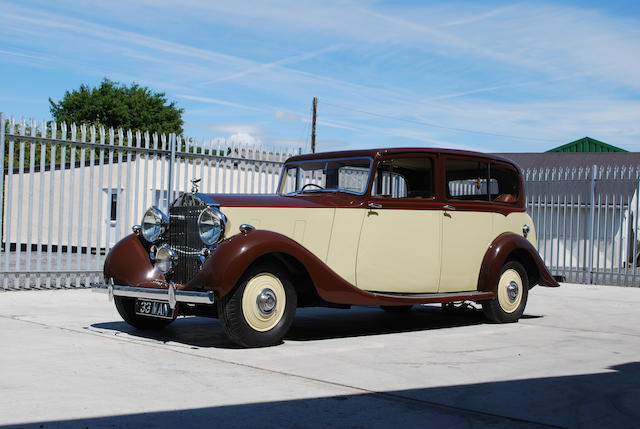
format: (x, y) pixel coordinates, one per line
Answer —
(313, 125)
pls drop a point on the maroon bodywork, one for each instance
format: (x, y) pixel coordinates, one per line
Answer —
(509, 246)
(128, 262)
(343, 200)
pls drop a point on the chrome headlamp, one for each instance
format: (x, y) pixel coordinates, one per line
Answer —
(211, 224)
(165, 259)
(154, 224)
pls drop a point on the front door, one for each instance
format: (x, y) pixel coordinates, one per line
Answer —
(399, 247)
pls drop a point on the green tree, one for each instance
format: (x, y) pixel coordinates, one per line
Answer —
(119, 106)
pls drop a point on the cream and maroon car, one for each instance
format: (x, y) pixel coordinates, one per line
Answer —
(391, 228)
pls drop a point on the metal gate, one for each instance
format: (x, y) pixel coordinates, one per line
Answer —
(587, 222)
(71, 192)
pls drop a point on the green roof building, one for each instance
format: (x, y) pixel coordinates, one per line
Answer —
(582, 153)
(587, 144)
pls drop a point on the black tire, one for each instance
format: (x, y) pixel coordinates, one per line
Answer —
(246, 324)
(126, 308)
(503, 309)
(396, 309)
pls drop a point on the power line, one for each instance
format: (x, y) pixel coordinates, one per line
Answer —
(444, 127)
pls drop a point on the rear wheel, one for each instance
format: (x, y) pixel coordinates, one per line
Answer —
(126, 308)
(259, 311)
(511, 297)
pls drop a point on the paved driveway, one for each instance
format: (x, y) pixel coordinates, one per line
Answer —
(67, 360)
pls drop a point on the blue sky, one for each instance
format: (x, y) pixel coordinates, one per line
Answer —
(489, 76)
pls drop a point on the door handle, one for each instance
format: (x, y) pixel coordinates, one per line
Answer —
(449, 207)
(374, 206)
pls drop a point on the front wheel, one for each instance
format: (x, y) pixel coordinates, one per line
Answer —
(259, 311)
(511, 297)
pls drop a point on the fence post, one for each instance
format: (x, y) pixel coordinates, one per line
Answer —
(2, 179)
(172, 161)
(592, 221)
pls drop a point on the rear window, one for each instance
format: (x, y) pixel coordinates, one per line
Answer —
(467, 180)
(504, 183)
(481, 181)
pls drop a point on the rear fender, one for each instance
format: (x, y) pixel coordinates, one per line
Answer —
(508, 246)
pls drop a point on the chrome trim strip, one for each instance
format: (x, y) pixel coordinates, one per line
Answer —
(432, 295)
(170, 295)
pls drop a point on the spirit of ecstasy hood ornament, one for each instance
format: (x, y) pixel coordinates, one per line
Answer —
(194, 185)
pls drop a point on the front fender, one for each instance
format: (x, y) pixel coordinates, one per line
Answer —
(509, 244)
(224, 267)
(127, 263)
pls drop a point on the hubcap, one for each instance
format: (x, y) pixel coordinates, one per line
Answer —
(512, 291)
(263, 302)
(266, 301)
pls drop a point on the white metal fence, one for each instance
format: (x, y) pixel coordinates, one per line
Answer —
(70, 192)
(587, 222)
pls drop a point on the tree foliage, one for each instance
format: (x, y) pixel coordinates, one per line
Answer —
(119, 106)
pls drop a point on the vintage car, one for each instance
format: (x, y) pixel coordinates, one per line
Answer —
(391, 227)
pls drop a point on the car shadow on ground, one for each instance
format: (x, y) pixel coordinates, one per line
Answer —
(608, 398)
(313, 324)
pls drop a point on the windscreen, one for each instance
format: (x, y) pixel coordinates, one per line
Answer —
(326, 175)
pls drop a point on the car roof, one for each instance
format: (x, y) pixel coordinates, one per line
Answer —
(374, 153)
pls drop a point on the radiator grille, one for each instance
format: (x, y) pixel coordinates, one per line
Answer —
(184, 239)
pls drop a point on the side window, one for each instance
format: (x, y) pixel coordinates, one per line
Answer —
(504, 184)
(404, 178)
(468, 180)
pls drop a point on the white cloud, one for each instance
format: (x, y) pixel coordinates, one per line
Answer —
(281, 114)
(220, 102)
(243, 139)
(273, 64)
(539, 36)
(238, 128)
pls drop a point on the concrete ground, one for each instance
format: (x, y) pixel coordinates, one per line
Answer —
(67, 360)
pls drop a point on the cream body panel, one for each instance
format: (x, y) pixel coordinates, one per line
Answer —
(399, 251)
(466, 236)
(514, 222)
(343, 247)
(311, 227)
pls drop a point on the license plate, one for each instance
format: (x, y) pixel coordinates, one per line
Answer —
(160, 309)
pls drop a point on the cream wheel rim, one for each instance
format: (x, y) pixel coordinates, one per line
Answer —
(510, 290)
(263, 302)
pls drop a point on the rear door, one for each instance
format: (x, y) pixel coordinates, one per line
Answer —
(467, 223)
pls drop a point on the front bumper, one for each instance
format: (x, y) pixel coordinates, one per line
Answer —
(170, 295)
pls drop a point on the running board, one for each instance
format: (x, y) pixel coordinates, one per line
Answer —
(435, 297)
